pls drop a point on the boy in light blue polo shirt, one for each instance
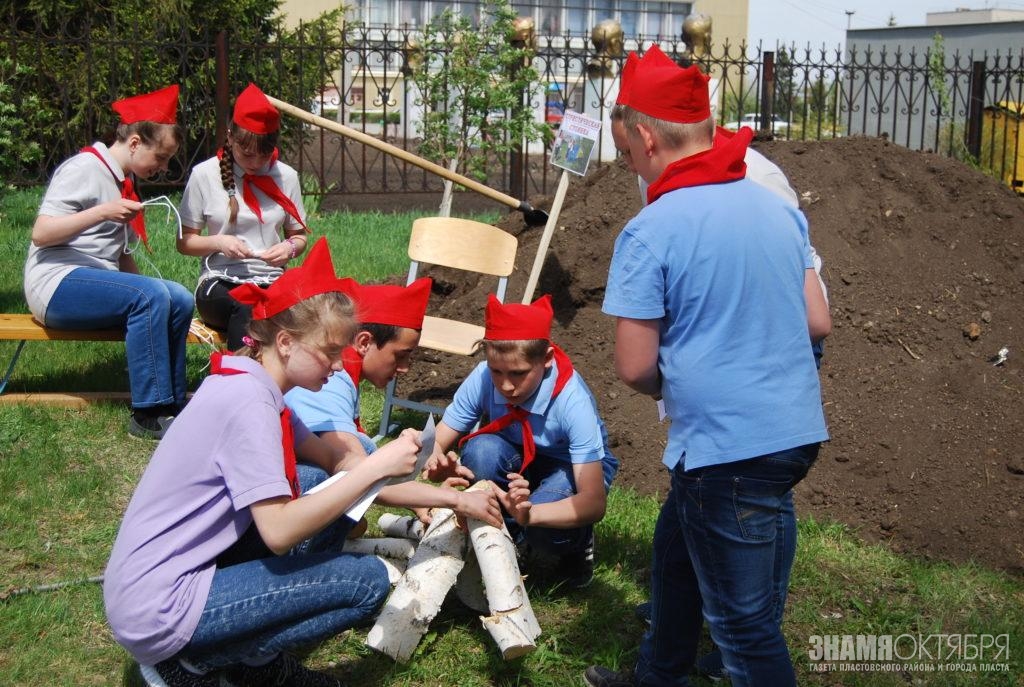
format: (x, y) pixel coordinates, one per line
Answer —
(545, 442)
(707, 284)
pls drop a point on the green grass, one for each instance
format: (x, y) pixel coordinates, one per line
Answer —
(66, 477)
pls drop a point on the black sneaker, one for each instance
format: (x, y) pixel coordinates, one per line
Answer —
(171, 673)
(147, 424)
(710, 666)
(599, 676)
(643, 613)
(576, 570)
(283, 671)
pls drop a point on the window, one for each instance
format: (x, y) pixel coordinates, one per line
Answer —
(629, 17)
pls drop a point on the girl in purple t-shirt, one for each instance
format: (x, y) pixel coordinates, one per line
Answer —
(193, 589)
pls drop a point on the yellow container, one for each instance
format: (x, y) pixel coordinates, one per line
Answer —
(1002, 144)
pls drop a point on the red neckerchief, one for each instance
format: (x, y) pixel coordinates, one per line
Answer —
(520, 415)
(721, 163)
(353, 364)
(291, 472)
(138, 223)
(265, 183)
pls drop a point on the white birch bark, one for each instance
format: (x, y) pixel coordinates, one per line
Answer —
(386, 547)
(512, 623)
(403, 526)
(417, 598)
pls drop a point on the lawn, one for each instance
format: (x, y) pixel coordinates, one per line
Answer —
(66, 476)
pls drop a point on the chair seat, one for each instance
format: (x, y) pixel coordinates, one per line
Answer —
(450, 336)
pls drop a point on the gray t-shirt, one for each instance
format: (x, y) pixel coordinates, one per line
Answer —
(204, 205)
(80, 183)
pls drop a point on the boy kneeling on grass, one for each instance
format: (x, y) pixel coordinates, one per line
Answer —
(545, 443)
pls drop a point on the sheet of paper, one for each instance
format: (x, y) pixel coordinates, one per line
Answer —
(427, 438)
(360, 507)
(662, 413)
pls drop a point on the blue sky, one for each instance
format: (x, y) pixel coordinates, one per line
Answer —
(803, 21)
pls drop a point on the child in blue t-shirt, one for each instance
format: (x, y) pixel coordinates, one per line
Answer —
(544, 444)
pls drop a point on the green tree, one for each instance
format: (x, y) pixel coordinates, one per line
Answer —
(474, 85)
(77, 56)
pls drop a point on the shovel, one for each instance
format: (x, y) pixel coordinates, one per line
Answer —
(532, 216)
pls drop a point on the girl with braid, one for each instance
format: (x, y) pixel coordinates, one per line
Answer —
(247, 242)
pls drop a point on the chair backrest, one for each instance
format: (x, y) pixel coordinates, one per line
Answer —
(458, 244)
(461, 244)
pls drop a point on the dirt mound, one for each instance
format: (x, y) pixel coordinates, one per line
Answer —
(923, 260)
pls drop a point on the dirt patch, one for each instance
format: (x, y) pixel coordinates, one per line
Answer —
(923, 259)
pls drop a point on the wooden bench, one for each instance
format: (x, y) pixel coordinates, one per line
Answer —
(23, 328)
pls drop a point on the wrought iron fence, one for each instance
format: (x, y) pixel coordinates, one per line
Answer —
(967, 106)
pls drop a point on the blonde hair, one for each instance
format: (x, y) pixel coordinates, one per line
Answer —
(319, 320)
(672, 134)
(533, 350)
(264, 144)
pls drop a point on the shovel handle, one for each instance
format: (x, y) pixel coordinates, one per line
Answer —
(394, 151)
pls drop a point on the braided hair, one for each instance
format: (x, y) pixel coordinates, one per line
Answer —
(264, 144)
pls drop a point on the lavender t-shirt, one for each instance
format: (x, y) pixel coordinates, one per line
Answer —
(222, 454)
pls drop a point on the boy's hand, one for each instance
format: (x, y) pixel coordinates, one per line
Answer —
(481, 505)
(424, 516)
(516, 501)
(444, 466)
(398, 458)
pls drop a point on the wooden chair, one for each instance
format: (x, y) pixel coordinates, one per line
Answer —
(458, 244)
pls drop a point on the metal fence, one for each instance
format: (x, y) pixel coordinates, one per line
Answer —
(967, 106)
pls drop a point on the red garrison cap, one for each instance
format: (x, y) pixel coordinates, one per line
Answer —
(253, 112)
(659, 88)
(159, 106)
(399, 306)
(315, 276)
(626, 79)
(517, 321)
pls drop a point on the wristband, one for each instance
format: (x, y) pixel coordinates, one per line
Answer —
(295, 248)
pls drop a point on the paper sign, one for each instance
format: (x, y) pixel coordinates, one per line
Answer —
(577, 137)
(360, 507)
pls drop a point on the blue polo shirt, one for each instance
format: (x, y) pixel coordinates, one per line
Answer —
(567, 428)
(722, 267)
(332, 409)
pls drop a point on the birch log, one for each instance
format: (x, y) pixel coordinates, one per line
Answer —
(419, 594)
(386, 547)
(512, 623)
(469, 588)
(395, 568)
(404, 526)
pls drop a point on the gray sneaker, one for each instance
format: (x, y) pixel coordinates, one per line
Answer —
(148, 426)
(599, 676)
(171, 673)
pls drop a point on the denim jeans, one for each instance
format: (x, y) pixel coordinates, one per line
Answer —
(268, 604)
(723, 549)
(155, 313)
(492, 457)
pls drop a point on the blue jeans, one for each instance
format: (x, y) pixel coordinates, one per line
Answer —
(155, 313)
(723, 549)
(269, 604)
(491, 456)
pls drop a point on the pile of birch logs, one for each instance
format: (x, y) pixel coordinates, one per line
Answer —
(424, 566)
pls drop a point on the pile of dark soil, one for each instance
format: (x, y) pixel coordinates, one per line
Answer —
(923, 259)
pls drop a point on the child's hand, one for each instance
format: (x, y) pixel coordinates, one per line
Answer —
(481, 505)
(424, 516)
(233, 247)
(398, 458)
(445, 466)
(516, 501)
(121, 210)
(277, 255)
